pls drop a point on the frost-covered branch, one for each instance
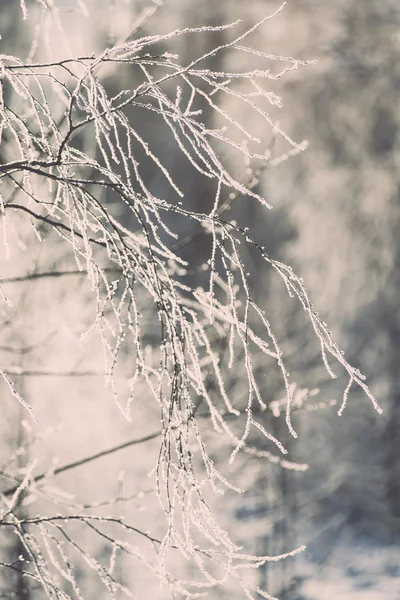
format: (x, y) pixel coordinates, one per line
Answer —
(78, 191)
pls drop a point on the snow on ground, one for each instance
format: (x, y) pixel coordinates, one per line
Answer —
(356, 573)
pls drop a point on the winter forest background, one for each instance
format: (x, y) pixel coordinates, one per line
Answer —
(335, 219)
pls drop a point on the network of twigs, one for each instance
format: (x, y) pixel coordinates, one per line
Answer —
(46, 109)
